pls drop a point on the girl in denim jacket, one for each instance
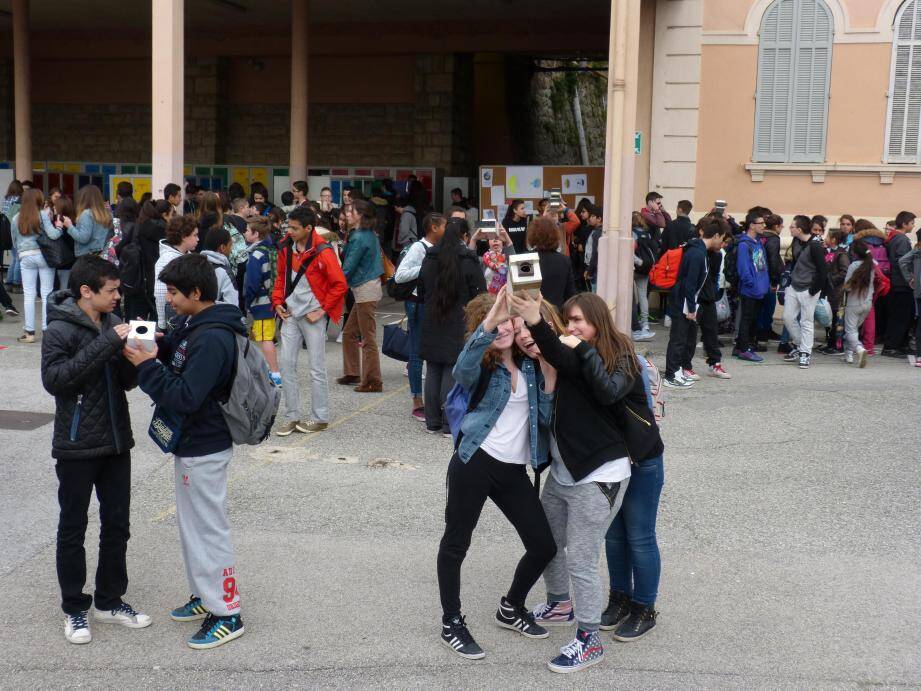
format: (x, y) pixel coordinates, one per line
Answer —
(505, 432)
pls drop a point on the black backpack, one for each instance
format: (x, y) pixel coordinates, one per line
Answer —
(6, 233)
(730, 268)
(645, 250)
(131, 269)
(401, 291)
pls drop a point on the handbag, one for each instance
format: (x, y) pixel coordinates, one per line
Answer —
(389, 268)
(723, 312)
(58, 253)
(396, 342)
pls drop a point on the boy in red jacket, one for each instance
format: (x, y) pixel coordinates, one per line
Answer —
(310, 286)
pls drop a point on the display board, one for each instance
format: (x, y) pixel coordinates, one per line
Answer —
(141, 184)
(499, 184)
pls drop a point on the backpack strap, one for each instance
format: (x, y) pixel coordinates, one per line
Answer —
(291, 284)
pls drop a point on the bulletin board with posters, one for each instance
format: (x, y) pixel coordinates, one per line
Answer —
(141, 184)
(499, 184)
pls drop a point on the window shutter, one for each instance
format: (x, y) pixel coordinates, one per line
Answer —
(794, 68)
(775, 76)
(809, 110)
(905, 87)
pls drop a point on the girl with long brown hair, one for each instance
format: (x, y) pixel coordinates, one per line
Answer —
(27, 225)
(504, 429)
(601, 421)
(94, 222)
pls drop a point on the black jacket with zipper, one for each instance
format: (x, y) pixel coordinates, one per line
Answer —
(84, 369)
(585, 414)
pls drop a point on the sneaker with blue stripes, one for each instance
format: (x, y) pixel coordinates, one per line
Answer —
(217, 631)
(191, 611)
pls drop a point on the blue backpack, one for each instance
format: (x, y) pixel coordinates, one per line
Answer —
(460, 402)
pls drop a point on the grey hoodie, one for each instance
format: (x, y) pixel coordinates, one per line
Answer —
(910, 266)
(226, 288)
(164, 312)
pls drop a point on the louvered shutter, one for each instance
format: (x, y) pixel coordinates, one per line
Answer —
(905, 87)
(794, 69)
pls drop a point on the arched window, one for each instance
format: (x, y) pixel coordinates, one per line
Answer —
(904, 121)
(794, 70)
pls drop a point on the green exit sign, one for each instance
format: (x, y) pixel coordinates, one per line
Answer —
(637, 143)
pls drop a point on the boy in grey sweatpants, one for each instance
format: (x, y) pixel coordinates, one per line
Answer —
(193, 372)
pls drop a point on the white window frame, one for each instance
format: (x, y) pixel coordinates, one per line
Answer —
(788, 155)
(887, 156)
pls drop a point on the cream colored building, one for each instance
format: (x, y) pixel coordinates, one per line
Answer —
(809, 106)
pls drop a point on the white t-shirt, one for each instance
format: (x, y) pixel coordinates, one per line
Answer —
(509, 440)
(612, 471)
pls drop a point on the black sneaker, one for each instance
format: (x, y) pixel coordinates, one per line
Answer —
(11, 311)
(641, 621)
(784, 348)
(456, 636)
(618, 610)
(517, 618)
(828, 349)
(894, 353)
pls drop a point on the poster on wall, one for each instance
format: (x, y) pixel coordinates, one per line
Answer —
(486, 177)
(575, 184)
(524, 182)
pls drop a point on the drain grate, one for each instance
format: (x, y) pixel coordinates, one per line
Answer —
(23, 420)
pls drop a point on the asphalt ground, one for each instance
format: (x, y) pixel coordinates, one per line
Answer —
(789, 531)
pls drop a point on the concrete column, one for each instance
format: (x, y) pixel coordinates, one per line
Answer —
(615, 275)
(297, 161)
(168, 94)
(22, 90)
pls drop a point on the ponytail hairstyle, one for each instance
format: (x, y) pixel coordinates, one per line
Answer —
(90, 199)
(449, 248)
(859, 282)
(616, 349)
(30, 220)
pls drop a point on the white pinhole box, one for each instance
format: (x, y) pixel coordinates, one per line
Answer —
(524, 273)
(142, 335)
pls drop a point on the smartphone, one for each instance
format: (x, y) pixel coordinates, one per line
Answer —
(556, 199)
(719, 207)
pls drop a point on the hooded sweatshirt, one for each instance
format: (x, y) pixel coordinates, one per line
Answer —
(692, 275)
(897, 246)
(192, 370)
(164, 312)
(910, 268)
(751, 264)
(226, 288)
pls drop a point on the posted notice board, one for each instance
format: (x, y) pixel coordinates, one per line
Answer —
(500, 184)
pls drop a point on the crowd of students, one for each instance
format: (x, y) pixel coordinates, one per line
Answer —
(515, 379)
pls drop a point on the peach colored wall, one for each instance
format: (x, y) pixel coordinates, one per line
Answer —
(725, 15)
(858, 104)
(644, 100)
(863, 14)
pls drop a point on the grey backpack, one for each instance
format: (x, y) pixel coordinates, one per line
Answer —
(251, 403)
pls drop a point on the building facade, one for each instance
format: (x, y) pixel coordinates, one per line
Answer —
(800, 105)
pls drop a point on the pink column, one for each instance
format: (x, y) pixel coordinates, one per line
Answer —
(168, 94)
(297, 162)
(615, 261)
(22, 90)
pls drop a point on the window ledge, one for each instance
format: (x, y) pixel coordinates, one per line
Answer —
(820, 171)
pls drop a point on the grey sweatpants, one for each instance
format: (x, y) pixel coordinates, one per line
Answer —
(579, 517)
(293, 333)
(204, 531)
(854, 316)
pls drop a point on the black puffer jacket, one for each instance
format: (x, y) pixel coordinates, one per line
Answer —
(83, 368)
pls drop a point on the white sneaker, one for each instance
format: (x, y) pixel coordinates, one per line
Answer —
(718, 371)
(643, 335)
(339, 338)
(861, 357)
(667, 322)
(77, 629)
(682, 377)
(849, 357)
(124, 615)
(690, 374)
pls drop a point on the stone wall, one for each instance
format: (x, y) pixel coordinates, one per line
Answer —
(443, 118)
(6, 111)
(203, 117)
(73, 132)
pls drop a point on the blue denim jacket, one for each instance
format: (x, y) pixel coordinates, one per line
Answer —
(88, 235)
(478, 423)
(362, 260)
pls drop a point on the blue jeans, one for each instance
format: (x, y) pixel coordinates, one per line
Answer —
(414, 311)
(632, 552)
(14, 273)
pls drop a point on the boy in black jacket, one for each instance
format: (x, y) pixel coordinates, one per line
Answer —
(682, 339)
(193, 370)
(83, 368)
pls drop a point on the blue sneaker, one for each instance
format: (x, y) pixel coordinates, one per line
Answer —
(275, 377)
(584, 651)
(750, 356)
(217, 631)
(190, 611)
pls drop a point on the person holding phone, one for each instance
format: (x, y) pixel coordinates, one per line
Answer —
(309, 286)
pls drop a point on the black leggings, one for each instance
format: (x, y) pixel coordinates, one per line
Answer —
(507, 484)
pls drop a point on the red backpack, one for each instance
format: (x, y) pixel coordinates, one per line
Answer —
(664, 274)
